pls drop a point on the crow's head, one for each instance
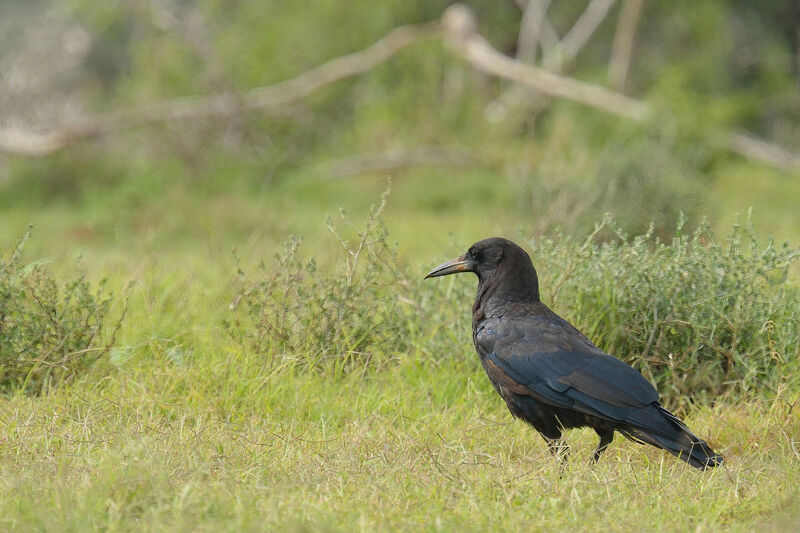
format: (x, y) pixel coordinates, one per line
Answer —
(498, 262)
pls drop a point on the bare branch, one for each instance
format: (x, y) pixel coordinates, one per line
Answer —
(579, 35)
(535, 28)
(530, 29)
(548, 38)
(336, 69)
(269, 98)
(745, 144)
(623, 43)
(485, 58)
(458, 26)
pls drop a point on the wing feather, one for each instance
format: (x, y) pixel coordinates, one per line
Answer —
(571, 373)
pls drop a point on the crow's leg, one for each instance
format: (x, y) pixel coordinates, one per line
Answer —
(558, 448)
(606, 436)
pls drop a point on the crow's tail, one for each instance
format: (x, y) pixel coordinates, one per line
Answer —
(657, 426)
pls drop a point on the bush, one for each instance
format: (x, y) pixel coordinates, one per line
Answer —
(48, 334)
(698, 316)
(359, 314)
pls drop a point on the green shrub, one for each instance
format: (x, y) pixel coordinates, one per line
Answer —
(698, 316)
(49, 334)
(358, 314)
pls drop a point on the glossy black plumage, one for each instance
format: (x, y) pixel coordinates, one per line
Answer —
(549, 373)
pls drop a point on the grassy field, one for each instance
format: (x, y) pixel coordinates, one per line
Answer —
(182, 427)
(269, 374)
(224, 445)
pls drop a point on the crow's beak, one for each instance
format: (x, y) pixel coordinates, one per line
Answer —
(459, 264)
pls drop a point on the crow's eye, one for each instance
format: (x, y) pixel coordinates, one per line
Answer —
(473, 253)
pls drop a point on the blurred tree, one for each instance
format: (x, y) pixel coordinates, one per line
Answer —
(705, 67)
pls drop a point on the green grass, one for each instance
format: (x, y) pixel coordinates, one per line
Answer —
(221, 444)
(184, 427)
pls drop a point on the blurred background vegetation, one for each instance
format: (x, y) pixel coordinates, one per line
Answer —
(469, 156)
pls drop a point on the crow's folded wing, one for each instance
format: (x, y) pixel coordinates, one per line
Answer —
(559, 366)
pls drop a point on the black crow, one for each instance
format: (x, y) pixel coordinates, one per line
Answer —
(549, 373)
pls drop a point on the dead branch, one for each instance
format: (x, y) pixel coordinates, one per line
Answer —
(579, 34)
(535, 29)
(459, 25)
(270, 98)
(745, 144)
(336, 69)
(530, 29)
(622, 46)
(457, 20)
(548, 38)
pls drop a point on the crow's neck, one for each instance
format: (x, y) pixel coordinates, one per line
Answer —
(503, 292)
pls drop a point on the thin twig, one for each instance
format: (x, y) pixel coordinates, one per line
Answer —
(622, 46)
(548, 37)
(530, 30)
(535, 29)
(577, 37)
